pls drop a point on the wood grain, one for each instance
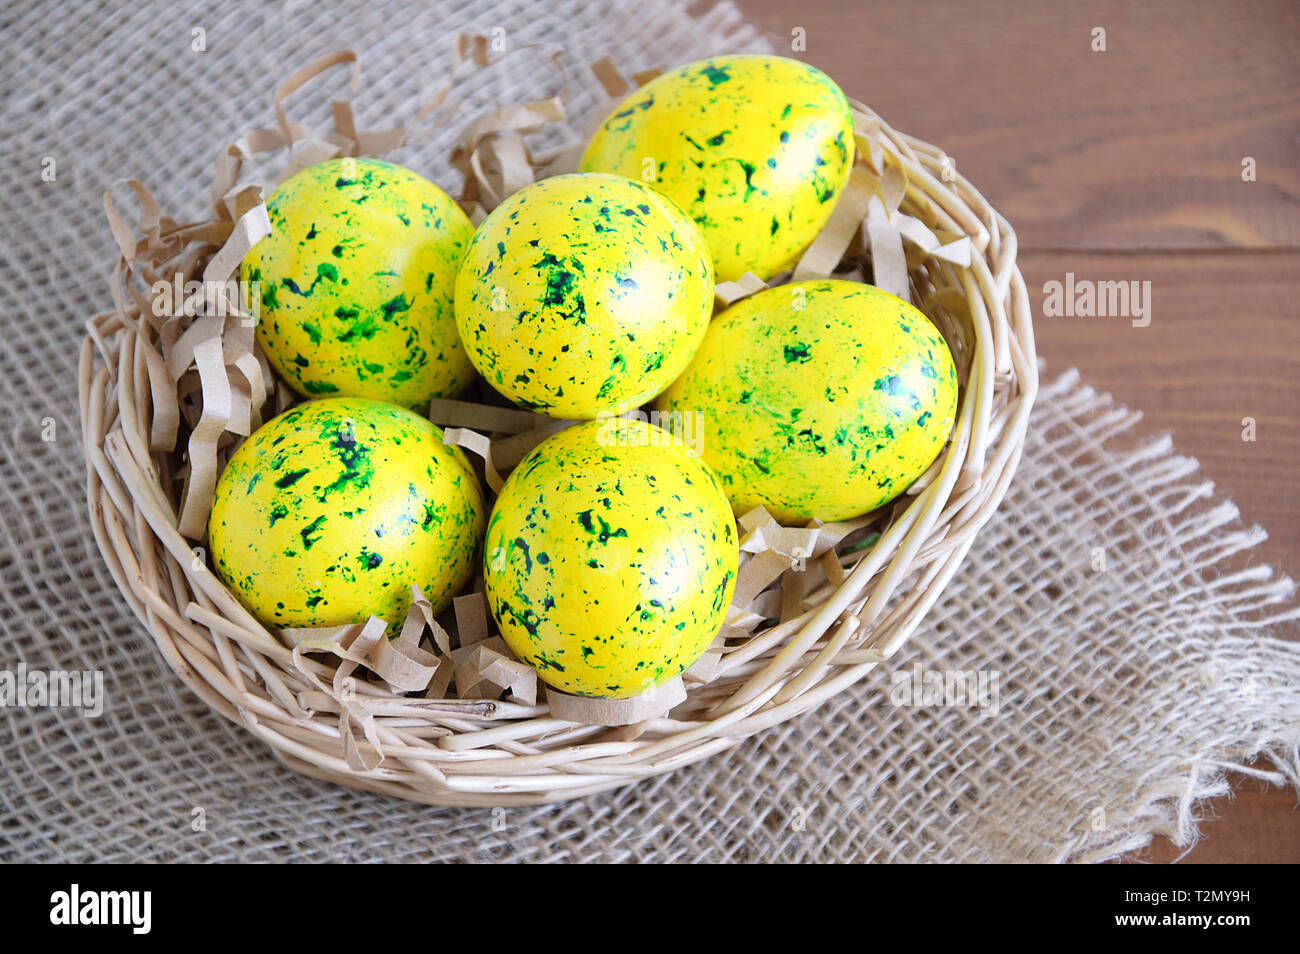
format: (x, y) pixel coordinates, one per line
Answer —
(1137, 147)
(1223, 345)
(1127, 165)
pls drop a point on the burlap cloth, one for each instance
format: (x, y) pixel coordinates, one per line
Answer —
(1125, 692)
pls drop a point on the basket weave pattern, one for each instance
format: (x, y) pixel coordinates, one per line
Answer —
(484, 752)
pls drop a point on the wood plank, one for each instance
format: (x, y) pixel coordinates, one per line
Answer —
(1139, 146)
(1223, 345)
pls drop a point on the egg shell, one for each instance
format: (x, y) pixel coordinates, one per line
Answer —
(356, 283)
(328, 514)
(819, 399)
(582, 294)
(756, 149)
(610, 558)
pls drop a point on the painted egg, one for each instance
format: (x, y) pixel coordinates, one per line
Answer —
(582, 294)
(756, 149)
(610, 558)
(356, 282)
(820, 399)
(329, 513)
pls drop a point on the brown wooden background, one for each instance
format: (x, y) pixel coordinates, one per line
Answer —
(1127, 165)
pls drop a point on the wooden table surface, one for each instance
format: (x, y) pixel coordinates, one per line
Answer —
(1127, 164)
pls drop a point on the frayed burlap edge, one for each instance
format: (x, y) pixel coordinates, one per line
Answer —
(1250, 664)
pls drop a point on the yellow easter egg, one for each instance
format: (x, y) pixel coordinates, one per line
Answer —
(820, 399)
(356, 280)
(610, 558)
(756, 149)
(329, 513)
(582, 294)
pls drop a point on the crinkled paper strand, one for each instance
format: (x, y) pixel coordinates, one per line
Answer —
(471, 618)
(353, 645)
(401, 663)
(617, 712)
(481, 446)
(487, 667)
(494, 157)
(728, 293)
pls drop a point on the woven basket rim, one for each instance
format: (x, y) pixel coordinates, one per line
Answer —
(440, 757)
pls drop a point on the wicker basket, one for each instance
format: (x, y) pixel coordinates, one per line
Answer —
(490, 752)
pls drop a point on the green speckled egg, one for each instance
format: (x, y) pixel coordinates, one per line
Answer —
(356, 282)
(329, 513)
(820, 399)
(756, 149)
(610, 558)
(582, 294)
